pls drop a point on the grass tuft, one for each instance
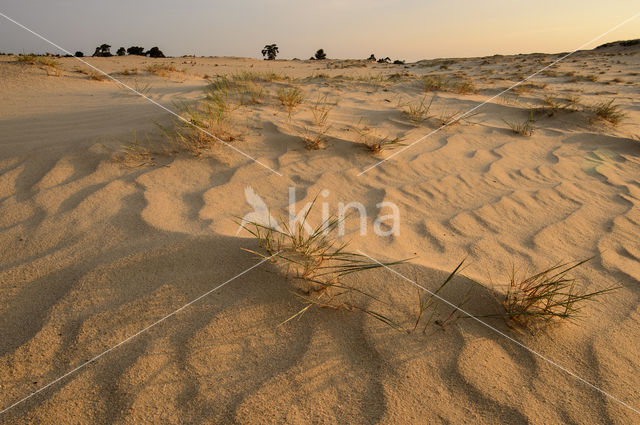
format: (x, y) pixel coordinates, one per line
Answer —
(609, 112)
(524, 128)
(419, 112)
(545, 296)
(290, 98)
(317, 263)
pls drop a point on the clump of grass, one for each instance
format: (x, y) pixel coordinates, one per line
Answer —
(550, 294)
(609, 112)
(250, 93)
(315, 140)
(316, 263)
(162, 69)
(132, 71)
(464, 87)
(373, 141)
(555, 104)
(207, 116)
(437, 83)
(433, 83)
(418, 113)
(577, 77)
(135, 154)
(524, 128)
(290, 98)
(96, 76)
(452, 118)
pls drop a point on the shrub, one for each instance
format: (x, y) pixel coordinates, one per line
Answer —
(121, 51)
(270, 51)
(79, 54)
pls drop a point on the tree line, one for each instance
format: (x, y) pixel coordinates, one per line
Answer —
(270, 52)
(104, 50)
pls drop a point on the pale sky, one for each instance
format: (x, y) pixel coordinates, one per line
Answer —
(410, 29)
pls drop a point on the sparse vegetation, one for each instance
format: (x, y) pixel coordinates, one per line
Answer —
(135, 154)
(46, 63)
(437, 83)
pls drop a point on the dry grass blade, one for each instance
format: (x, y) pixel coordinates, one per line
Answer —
(426, 301)
(320, 110)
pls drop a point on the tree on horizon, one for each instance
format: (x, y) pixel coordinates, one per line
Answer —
(270, 51)
(103, 50)
(155, 52)
(121, 51)
(136, 50)
(320, 54)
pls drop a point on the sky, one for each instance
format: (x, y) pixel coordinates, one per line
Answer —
(400, 29)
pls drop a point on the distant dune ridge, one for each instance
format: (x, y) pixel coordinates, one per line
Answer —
(112, 215)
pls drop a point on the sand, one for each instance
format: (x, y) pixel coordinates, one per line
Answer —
(94, 249)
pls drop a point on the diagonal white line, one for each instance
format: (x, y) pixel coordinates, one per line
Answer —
(133, 336)
(515, 341)
(498, 95)
(181, 118)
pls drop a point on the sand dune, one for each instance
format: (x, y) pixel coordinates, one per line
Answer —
(95, 249)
